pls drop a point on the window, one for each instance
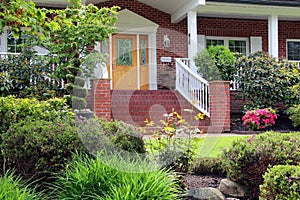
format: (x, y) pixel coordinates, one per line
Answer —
(240, 45)
(293, 50)
(8, 43)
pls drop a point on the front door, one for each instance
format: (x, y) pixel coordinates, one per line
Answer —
(130, 69)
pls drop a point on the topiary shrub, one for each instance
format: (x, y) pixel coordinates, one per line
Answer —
(266, 81)
(14, 110)
(281, 182)
(294, 114)
(216, 63)
(207, 166)
(37, 148)
(247, 160)
(115, 177)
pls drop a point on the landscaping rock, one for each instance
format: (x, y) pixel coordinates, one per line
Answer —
(206, 193)
(232, 189)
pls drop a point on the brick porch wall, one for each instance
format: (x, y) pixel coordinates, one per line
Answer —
(136, 106)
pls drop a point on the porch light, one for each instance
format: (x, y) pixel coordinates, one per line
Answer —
(166, 41)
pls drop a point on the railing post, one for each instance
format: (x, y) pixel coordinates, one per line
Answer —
(219, 101)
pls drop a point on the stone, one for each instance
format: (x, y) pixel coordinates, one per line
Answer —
(206, 193)
(232, 189)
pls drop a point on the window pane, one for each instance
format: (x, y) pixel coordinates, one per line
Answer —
(104, 49)
(211, 42)
(293, 50)
(238, 46)
(143, 52)
(124, 52)
(14, 45)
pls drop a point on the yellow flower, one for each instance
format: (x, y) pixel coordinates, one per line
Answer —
(200, 116)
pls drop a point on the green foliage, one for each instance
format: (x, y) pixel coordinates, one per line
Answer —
(208, 166)
(12, 188)
(266, 81)
(115, 177)
(25, 75)
(247, 160)
(14, 110)
(124, 136)
(281, 182)
(37, 148)
(294, 114)
(216, 63)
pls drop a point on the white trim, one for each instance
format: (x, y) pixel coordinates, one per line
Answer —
(110, 51)
(286, 46)
(152, 61)
(255, 44)
(273, 35)
(181, 13)
(226, 40)
(138, 61)
(192, 34)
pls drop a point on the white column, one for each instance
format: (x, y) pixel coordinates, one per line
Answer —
(273, 35)
(192, 33)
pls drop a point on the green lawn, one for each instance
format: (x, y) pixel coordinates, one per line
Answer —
(208, 146)
(212, 146)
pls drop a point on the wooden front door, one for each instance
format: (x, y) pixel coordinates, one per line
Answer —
(130, 69)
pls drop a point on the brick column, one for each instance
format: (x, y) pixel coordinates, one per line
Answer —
(101, 98)
(219, 101)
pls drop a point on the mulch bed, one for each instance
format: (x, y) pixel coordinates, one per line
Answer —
(193, 181)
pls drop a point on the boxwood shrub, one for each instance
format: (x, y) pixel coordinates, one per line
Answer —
(207, 166)
(248, 159)
(281, 182)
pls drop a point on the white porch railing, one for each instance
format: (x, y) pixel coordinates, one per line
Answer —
(191, 86)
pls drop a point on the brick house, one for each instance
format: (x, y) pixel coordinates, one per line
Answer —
(149, 58)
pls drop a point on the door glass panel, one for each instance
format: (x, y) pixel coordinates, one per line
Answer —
(124, 52)
(143, 52)
(104, 49)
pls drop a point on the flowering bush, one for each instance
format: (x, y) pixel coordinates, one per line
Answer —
(259, 119)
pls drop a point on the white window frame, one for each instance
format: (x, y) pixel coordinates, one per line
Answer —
(3, 39)
(286, 47)
(226, 41)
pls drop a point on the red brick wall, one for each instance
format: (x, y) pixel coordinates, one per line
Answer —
(135, 106)
(287, 30)
(228, 27)
(219, 101)
(101, 97)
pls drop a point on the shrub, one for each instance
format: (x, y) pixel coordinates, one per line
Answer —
(14, 188)
(281, 182)
(266, 80)
(13, 110)
(207, 166)
(124, 136)
(259, 119)
(216, 63)
(294, 113)
(115, 177)
(36, 148)
(247, 160)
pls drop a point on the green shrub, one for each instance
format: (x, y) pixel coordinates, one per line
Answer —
(216, 63)
(294, 114)
(124, 136)
(13, 110)
(281, 182)
(37, 148)
(247, 160)
(12, 188)
(207, 166)
(266, 81)
(115, 177)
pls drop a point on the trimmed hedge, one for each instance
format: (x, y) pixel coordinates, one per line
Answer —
(281, 182)
(248, 159)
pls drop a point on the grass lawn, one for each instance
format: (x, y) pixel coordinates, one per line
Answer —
(206, 146)
(212, 146)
